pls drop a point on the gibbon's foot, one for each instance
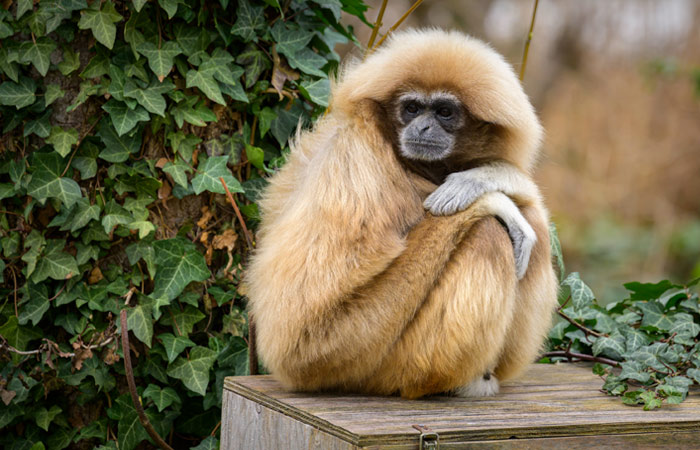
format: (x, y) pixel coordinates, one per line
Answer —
(485, 386)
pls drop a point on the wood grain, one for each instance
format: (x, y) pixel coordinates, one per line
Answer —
(549, 401)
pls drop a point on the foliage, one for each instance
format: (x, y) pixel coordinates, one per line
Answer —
(118, 120)
(646, 346)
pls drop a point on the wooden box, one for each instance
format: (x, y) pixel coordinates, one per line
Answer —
(552, 406)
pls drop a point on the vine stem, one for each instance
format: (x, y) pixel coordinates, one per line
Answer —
(398, 23)
(527, 42)
(248, 236)
(583, 357)
(578, 325)
(377, 25)
(143, 418)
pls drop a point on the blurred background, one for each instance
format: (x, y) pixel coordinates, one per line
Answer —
(617, 86)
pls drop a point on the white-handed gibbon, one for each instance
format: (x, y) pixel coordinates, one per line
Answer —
(404, 248)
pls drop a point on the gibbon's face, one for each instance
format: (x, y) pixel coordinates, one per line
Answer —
(429, 124)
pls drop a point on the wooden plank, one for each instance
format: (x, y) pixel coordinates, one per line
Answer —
(251, 426)
(550, 400)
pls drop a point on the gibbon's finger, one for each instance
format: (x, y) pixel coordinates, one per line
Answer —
(521, 233)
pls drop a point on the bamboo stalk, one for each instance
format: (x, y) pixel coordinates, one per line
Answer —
(527, 42)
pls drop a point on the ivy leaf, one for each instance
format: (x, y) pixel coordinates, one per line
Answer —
(194, 372)
(250, 20)
(16, 336)
(114, 215)
(178, 170)
(117, 148)
(83, 213)
(101, 22)
(633, 370)
(70, 63)
(285, 123)
(160, 60)
(170, 7)
(208, 174)
(36, 305)
(178, 264)
(649, 291)
(255, 62)
(62, 140)
(131, 432)
(55, 263)
(174, 345)
(149, 98)
(19, 94)
(138, 4)
(210, 443)
(633, 339)
(142, 249)
(44, 417)
(47, 182)
(206, 83)
(22, 7)
(290, 40)
(192, 111)
(123, 118)
(255, 155)
(53, 93)
(40, 126)
(612, 346)
(651, 401)
(38, 53)
(140, 321)
(161, 397)
(307, 61)
(581, 294)
(184, 321)
(317, 91)
(654, 317)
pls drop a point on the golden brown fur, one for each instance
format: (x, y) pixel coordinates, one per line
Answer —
(353, 286)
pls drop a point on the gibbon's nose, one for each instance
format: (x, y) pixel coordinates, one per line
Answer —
(424, 129)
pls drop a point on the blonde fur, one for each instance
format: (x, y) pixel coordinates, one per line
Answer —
(353, 286)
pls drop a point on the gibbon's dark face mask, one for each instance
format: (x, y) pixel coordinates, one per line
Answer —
(430, 125)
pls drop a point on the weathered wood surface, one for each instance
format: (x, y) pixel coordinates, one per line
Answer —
(550, 401)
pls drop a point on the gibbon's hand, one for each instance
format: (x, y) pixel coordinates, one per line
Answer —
(496, 203)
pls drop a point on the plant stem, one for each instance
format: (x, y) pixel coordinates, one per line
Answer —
(143, 418)
(398, 23)
(569, 354)
(377, 25)
(527, 42)
(579, 326)
(248, 236)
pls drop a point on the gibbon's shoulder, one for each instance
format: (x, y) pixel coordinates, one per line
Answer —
(433, 59)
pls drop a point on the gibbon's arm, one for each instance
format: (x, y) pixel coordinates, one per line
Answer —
(461, 189)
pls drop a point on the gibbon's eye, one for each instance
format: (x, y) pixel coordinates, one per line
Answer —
(411, 108)
(444, 112)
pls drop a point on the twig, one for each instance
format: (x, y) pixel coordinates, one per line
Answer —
(399, 22)
(527, 42)
(132, 387)
(568, 354)
(248, 236)
(377, 25)
(8, 347)
(579, 326)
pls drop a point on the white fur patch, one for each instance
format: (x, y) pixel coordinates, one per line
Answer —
(480, 387)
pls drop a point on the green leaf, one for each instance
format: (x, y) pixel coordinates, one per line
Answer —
(317, 91)
(206, 83)
(19, 94)
(255, 62)
(161, 397)
(612, 346)
(249, 21)
(290, 40)
(160, 60)
(131, 432)
(581, 294)
(47, 182)
(649, 291)
(70, 63)
(174, 345)
(184, 321)
(170, 7)
(178, 264)
(117, 147)
(653, 316)
(187, 111)
(208, 173)
(36, 305)
(210, 443)
(194, 372)
(142, 249)
(19, 337)
(138, 4)
(150, 99)
(651, 401)
(44, 417)
(22, 7)
(178, 170)
(101, 22)
(123, 118)
(62, 140)
(53, 93)
(83, 213)
(307, 61)
(633, 370)
(38, 53)
(140, 321)
(98, 66)
(55, 263)
(114, 215)
(285, 123)
(40, 126)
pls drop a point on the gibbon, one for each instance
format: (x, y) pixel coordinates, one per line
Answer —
(404, 248)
